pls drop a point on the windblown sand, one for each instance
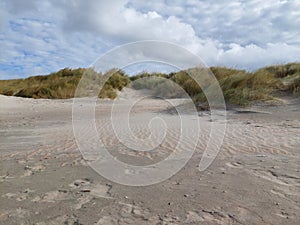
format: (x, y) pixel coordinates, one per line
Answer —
(255, 178)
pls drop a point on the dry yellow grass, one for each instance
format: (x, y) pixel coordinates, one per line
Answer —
(239, 86)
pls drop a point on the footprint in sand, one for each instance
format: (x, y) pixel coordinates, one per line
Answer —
(286, 193)
(234, 164)
(19, 196)
(130, 214)
(54, 196)
(96, 190)
(31, 170)
(65, 219)
(89, 191)
(18, 214)
(6, 176)
(281, 179)
(207, 217)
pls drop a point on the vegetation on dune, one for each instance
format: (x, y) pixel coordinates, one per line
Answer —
(294, 86)
(239, 86)
(160, 85)
(242, 88)
(63, 84)
(283, 71)
(56, 85)
(288, 74)
(147, 81)
(116, 80)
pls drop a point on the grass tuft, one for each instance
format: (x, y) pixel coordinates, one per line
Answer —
(63, 84)
(239, 86)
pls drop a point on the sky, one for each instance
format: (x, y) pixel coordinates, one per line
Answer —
(39, 37)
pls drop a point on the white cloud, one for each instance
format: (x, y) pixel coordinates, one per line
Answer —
(20, 6)
(124, 24)
(44, 36)
(236, 21)
(253, 56)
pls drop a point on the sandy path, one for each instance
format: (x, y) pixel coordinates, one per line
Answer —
(44, 179)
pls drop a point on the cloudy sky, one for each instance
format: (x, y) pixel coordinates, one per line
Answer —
(39, 37)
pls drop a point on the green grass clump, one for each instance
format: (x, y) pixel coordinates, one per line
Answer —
(294, 86)
(239, 86)
(146, 82)
(63, 84)
(223, 72)
(282, 71)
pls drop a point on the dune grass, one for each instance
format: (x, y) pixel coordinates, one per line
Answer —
(239, 86)
(63, 84)
(242, 88)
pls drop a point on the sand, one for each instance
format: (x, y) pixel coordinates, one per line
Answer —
(44, 179)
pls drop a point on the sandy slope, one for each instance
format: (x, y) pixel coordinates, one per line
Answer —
(44, 179)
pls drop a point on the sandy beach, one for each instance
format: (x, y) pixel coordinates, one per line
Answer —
(44, 178)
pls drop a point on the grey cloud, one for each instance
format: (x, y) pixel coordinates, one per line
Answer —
(236, 21)
(238, 33)
(20, 6)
